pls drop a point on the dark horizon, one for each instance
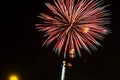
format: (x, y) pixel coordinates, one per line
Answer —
(21, 48)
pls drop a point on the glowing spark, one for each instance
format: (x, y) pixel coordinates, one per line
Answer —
(72, 51)
(85, 30)
(69, 65)
(72, 54)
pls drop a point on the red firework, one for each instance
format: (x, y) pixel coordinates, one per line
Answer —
(74, 25)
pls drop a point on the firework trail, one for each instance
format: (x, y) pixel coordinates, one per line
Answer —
(63, 71)
(74, 25)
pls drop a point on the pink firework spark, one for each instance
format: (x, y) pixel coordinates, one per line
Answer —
(75, 24)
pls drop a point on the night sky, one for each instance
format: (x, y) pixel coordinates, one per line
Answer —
(21, 50)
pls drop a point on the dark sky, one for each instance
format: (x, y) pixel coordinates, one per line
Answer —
(21, 48)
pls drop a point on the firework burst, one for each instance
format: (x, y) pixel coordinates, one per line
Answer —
(75, 24)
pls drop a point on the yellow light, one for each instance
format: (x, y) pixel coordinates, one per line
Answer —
(13, 77)
(72, 51)
(85, 30)
(64, 62)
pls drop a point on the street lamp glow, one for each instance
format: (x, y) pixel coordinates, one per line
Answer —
(13, 77)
